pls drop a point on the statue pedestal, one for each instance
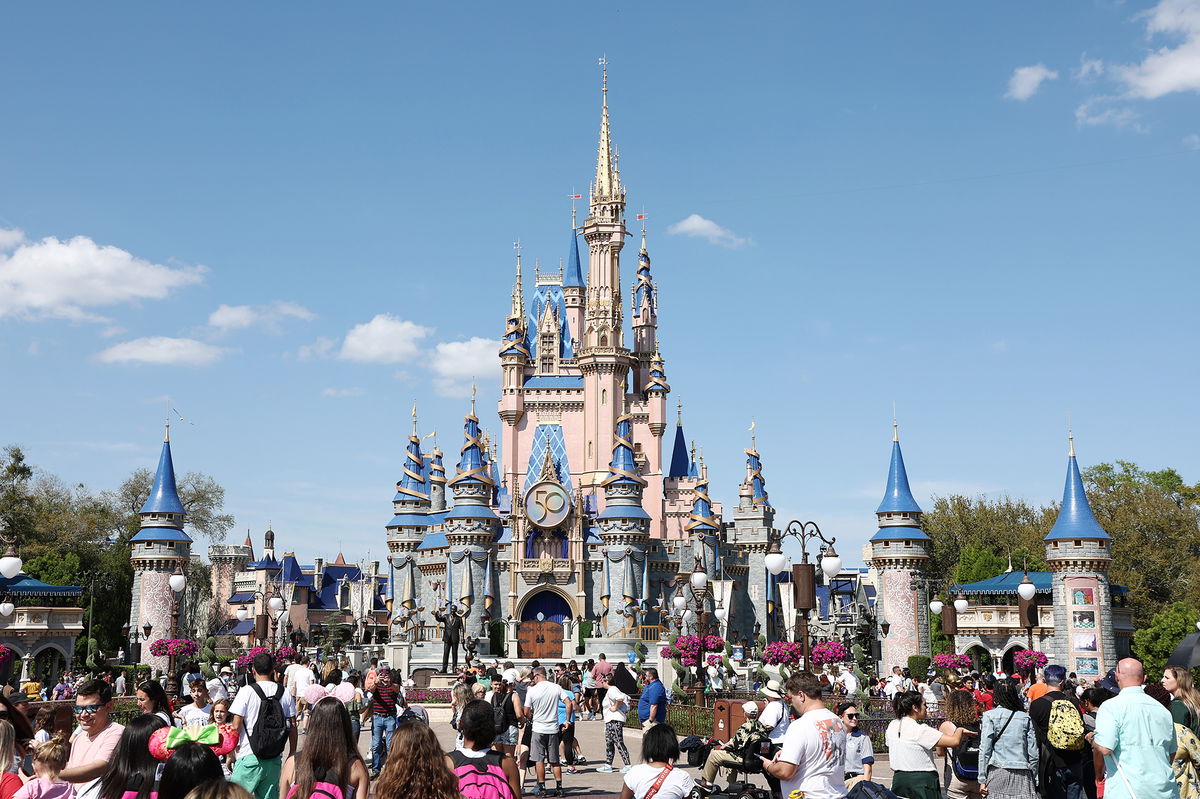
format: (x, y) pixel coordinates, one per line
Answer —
(398, 656)
(615, 649)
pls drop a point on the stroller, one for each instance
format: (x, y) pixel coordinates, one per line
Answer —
(737, 788)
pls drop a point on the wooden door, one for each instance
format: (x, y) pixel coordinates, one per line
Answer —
(541, 640)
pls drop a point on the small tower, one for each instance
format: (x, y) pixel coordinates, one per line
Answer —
(624, 525)
(680, 463)
(900, 553)
(1077, 550)
(411, 505)
(644, 303)
(753, 522)
(227, 560)
(157, 550)
(471, 528)
(437, 482)
(574, 288)
(514, 353)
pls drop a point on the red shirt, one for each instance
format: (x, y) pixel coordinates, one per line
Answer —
(984, 698)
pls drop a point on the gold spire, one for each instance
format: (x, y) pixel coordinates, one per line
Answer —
(1070, 437)
(679, 408)
(167, 422)
(895, 424)
(608, 184)
(473, 389)
(518, 296)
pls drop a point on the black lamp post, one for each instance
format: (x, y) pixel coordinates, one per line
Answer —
(804, 575)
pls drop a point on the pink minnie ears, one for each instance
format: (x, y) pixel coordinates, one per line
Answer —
(221, 738)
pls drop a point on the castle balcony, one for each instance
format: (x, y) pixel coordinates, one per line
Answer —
(560, 570)
(35, 622)
(1002, 617)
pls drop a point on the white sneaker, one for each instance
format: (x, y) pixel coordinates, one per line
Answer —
(625, 769)
(605, 769)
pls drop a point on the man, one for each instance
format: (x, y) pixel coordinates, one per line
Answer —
(371, 676)
(735, 751)
(259, 773)
(21, 703)
(1136, 736)
(452, 625)
(381, 713)
(652, 705)
(1037, 690)
(1059, 726)
(814, 748)
(776, 717)
(541, 708)
(217, 688)
(848, 681)
(894, 683)
(118, 683)
(93, 744)
(298, 677)
(602, 673)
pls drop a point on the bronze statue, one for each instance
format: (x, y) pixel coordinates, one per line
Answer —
(452, 625)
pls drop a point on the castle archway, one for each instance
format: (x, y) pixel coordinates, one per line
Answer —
(1006, 662)
(540, 635)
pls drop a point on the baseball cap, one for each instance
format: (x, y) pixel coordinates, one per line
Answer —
(749, 708)
(226, 670)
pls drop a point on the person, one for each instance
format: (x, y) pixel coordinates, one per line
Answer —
(298, 677)
(371, 676)
(652, 704)
(354, 705)
(614, 711)
(461, 694)
(258, 772)
(199, 711)
(734, 751)
(1185, 698)
(330, 754)
(1043, 686)
(657, 772)
(1186, 762)
(43, 725)
(475, 762)
(151, 698)
(591, 703)
(810, 763)
(10, 782)
(218, 789)
(910, 747)
(1008, 749)
(602, 673)
(1093, 764)
(776, 717)
(505, 699)
(1136, 737)
(1060, 731)
(962, 761)
(623, 678)
(416, 767)
(49, 758)
(381, 710)
(985, 692)
(119, 682)
(93, 744)
(452, 624)
(541, 709)
(189, 765)
(216, 686)
(860, 755)
(133, 768)
(568, 711)
(848, 681)
(894, 683)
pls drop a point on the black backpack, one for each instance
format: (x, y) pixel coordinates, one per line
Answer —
(270, 733)
(965, 756)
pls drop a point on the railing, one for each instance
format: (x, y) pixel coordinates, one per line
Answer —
(1002, 616)
(426, 632)
(651, 632)
(685, 719)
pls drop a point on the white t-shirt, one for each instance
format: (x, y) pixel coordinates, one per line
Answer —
(892, 685)
(816, 743)
(776, 718)
(677, 785)
(246, 703)
(217, 689)
(299, 680)
(618, 698)
(848, 679)
(195, 715)
(910, 745)
(542, 699)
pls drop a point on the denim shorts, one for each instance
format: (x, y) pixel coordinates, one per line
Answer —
(509, 737)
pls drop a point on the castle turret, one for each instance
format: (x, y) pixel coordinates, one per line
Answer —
(624, 526)
(514, 354)
(411, 505)
(157, 550)
(1077, 550)
(574, 287)
(644, 304)
(900, 552)
(471, 526)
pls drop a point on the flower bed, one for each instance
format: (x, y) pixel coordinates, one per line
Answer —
(830, 652)
(427, 696)
(179, 647)
(951, 661)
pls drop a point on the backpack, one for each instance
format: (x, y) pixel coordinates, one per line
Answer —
(1065, 729)
(481, 777)
(965, 756)
(870, 790)
(270, 733)
(499, 717)
(325, 787)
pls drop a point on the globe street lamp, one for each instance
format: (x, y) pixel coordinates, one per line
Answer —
(273, 607)
(10, 564)
(178, 582)
(804, 590)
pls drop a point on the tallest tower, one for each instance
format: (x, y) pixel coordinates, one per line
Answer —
(602, 356)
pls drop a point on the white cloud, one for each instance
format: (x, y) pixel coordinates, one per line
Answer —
(701, 228)
(1168, 69)
(1093, 113)
(321, 348)
(456, 363)
(61, 279)
(1025, 81)
(343, 392)
(1088, 68)
(237, 317)
(385, 339)
(162, 351)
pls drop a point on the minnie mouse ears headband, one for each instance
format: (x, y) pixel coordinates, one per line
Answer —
(221, 738)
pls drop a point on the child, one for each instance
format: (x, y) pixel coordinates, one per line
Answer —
(49, 759)
(200, 709)
(220, 715)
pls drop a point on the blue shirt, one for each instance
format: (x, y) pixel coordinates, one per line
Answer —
(1141, 735)
(653, 695)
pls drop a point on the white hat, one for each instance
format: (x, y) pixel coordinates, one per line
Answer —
(772, 690)
(226, 670)
(749, 707)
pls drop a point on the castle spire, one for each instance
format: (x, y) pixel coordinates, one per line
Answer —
(164, 496)
(1075, 517)
(608, 183)
(897, 497)
(411, 487)
(471, 466)
(623, 468)
(658, 375)
(573, 274)
(679, 451)
(702, 520)
(757, 482)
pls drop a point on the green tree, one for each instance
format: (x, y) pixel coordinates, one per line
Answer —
(976, 563)
(1003, 527)
(1153, 644)
(54, 568)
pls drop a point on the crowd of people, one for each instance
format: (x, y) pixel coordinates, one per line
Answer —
(997, 738)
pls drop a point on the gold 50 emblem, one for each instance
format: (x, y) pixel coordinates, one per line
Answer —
(547, 504)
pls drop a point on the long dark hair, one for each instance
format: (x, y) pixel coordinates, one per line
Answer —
(1006, 696)
(189, 765)
(132, 765)
(329, 747)
(158, 696)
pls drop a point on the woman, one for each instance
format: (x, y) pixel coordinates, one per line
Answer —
(859, 761)
(1186, 762)
(505, 700)
(152, 699)
(911, 744)
(660, 750)
(133, 768)
(1185, 698)
(962, 762)
(10, 783)
(568, 712)
(43, 725)
(616, 709)
(590, 697)
(475, 761)
(330, 754)
(354, 705)
(416, 767)
(189, 765)
(1008, 748)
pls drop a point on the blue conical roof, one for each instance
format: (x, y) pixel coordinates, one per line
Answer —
(701, 518)
(573, 276)
(1075, 517)
(679, 454)
(471, 466)
(898, 497)
(623, 469)
(164, 497)
(412, 485)
(757, 481)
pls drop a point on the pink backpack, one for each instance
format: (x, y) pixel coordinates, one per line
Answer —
(481, 777)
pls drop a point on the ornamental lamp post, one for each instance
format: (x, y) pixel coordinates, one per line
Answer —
(804, 575)
(178, 582)
(10, 564)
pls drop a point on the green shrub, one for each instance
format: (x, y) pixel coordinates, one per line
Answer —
(918, 666)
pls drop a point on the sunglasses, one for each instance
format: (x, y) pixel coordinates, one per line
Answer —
(91, 710)
(851, 715)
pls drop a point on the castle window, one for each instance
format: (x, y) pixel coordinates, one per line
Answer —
(604, 396)
(1056, 545)
(604, 341)
(908, 543)
(1078, 543)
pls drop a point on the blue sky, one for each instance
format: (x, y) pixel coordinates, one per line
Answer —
(297, 219)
